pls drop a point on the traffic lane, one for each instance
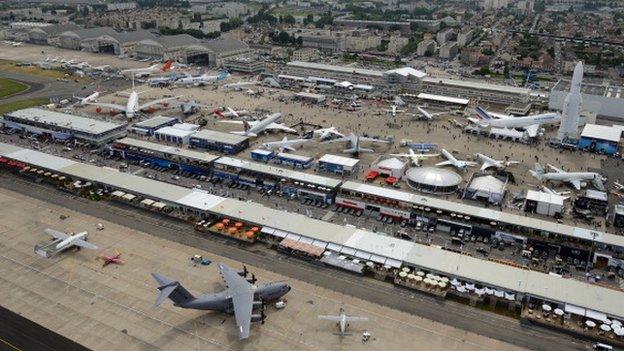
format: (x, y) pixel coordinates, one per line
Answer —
(447, 312)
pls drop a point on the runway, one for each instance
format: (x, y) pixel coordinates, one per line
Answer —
(447, 312)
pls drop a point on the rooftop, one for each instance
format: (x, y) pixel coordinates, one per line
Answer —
(442, 98)
(222, 137)
(335, 68)
(64, 120)
(155, 122)
(171, 150)
(340, 160)
(608, 133)
(470, 84)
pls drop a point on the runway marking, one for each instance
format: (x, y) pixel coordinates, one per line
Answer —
(10, 345)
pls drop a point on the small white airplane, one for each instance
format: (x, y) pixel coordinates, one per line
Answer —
(342, 321)
(90, 98)
(69, 241)
(577, 179)
(253, 128)
(394, 110)
(354, 141)
(398, 101)
(325, 133)
(424, 114)
(229, 112)
(132, 105)
(202, 79)
(452, 161)
(414, 157)
(148, 71)
(489, 162)
(285, 144)
(530, 124)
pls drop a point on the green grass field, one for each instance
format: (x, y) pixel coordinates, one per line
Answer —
(16, 105)
(10, 87)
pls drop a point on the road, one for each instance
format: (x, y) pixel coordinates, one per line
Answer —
(18, 333)
(448, 312)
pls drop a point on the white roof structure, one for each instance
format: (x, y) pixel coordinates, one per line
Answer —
(166, 149)
(176, 132)
(390, 163)
(339, 160)
(300, 158)
(469, 84)
(154, 122)
(64, 120)
(345, 239)
(540, 196)
(221, 137)
(407, 71)
(487, 183)
(335, 68)
(433, 176)
(596, 131)
(442, 98)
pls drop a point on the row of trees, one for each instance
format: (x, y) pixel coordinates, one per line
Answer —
(192, 32)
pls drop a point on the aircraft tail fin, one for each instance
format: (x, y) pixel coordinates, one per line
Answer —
(167, 66)
(537, 171)
(482, 113)
(171, 289)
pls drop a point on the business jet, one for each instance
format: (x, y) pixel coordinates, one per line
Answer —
(285, 144)
(240, 85)
(326, 133)
(414, 157)
(577, 179)
(67, 241)
(489, 162)
(452, 161)
(132, 106)
(148, 71)
(530, 124)
(253, 128)
(202, 80)
(424, 114)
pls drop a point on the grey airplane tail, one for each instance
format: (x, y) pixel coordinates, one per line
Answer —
(537, 171)
(171, 289)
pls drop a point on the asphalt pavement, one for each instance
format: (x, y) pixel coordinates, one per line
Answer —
(444, 311)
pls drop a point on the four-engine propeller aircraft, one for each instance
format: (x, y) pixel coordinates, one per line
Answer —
(241, 297)
(285, 144)
(353, 142)
(78, 240)
(414, 157)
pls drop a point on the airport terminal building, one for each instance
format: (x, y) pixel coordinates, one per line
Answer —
(63, 126)
(409, 81)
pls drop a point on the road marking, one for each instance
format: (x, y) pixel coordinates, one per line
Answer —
(10, 345)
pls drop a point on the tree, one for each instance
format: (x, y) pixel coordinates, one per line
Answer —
(288, 19)
(506, 70)
(309, 19)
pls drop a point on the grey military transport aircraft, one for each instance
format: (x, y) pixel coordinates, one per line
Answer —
(241, 297)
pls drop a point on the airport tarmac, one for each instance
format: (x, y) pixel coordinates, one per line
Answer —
(112, 307)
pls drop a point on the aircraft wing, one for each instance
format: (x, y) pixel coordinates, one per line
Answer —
(329, 318)
(373, 140)
(486, 165)
(236, 122)
(337, 140)
(242, 301)
(558, 170)
(280, 126)
(576, 183)
(532, 130)
(356, 319)
(154, 102)
(85, 244)
(107, 105)
(56, 234)
(444, 163)
(242, 298)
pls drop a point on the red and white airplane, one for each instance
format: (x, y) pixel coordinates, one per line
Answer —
(148, 71)
(108, 259)
(229, 112)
